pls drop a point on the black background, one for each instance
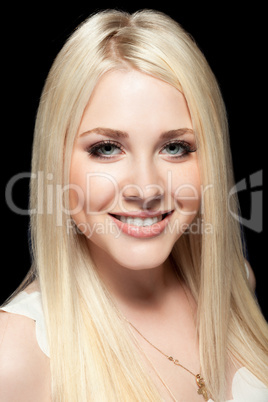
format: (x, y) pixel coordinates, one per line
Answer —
(233, 40)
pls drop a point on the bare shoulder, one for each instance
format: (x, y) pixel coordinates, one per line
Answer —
(24, 368)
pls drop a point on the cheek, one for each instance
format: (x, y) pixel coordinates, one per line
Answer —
(91, 192)
(187, 191)
(187, 199)
(101, 192)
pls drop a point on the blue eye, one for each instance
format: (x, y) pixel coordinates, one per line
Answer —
(108, 149)
(105, 149)
(174, 149)
(177, 149)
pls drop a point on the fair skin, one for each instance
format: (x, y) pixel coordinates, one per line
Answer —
(147, 170)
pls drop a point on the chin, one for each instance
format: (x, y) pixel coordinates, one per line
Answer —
(142, 263)
(139, 255)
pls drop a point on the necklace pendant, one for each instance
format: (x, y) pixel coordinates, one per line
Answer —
(202, 387)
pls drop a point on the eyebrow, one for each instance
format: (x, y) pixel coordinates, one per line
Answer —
(109, 132)
(169, 135)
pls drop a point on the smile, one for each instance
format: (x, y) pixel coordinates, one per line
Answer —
(143, 224)
(137, 221)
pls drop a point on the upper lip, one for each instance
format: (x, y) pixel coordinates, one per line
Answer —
(142, 214)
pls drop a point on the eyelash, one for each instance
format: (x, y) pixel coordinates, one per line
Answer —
(185, 146)
(94, 149)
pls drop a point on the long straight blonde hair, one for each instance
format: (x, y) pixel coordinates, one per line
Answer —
(88, 362)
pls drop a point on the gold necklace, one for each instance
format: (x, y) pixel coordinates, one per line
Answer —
(199, 380)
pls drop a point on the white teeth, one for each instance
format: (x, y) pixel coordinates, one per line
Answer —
(150, 221)
(135, 221)
(139, 221)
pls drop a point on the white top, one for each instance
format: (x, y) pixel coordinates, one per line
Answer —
(30, 305)
(245, 388)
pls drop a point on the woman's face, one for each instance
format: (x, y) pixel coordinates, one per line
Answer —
(134, 176)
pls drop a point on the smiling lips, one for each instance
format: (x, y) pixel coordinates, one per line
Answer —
(142, 224)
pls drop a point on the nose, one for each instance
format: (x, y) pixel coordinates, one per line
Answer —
(144, 187)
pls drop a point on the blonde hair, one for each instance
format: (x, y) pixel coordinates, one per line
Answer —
(87, 360)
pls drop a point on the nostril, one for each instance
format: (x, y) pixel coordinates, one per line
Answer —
(132, 192)
(132, 198)
(150, 201)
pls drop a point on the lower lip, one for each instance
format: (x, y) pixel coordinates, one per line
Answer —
(142, 231)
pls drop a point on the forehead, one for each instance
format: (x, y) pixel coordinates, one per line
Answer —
(128, 97)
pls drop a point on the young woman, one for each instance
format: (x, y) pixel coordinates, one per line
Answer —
(139, 290)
